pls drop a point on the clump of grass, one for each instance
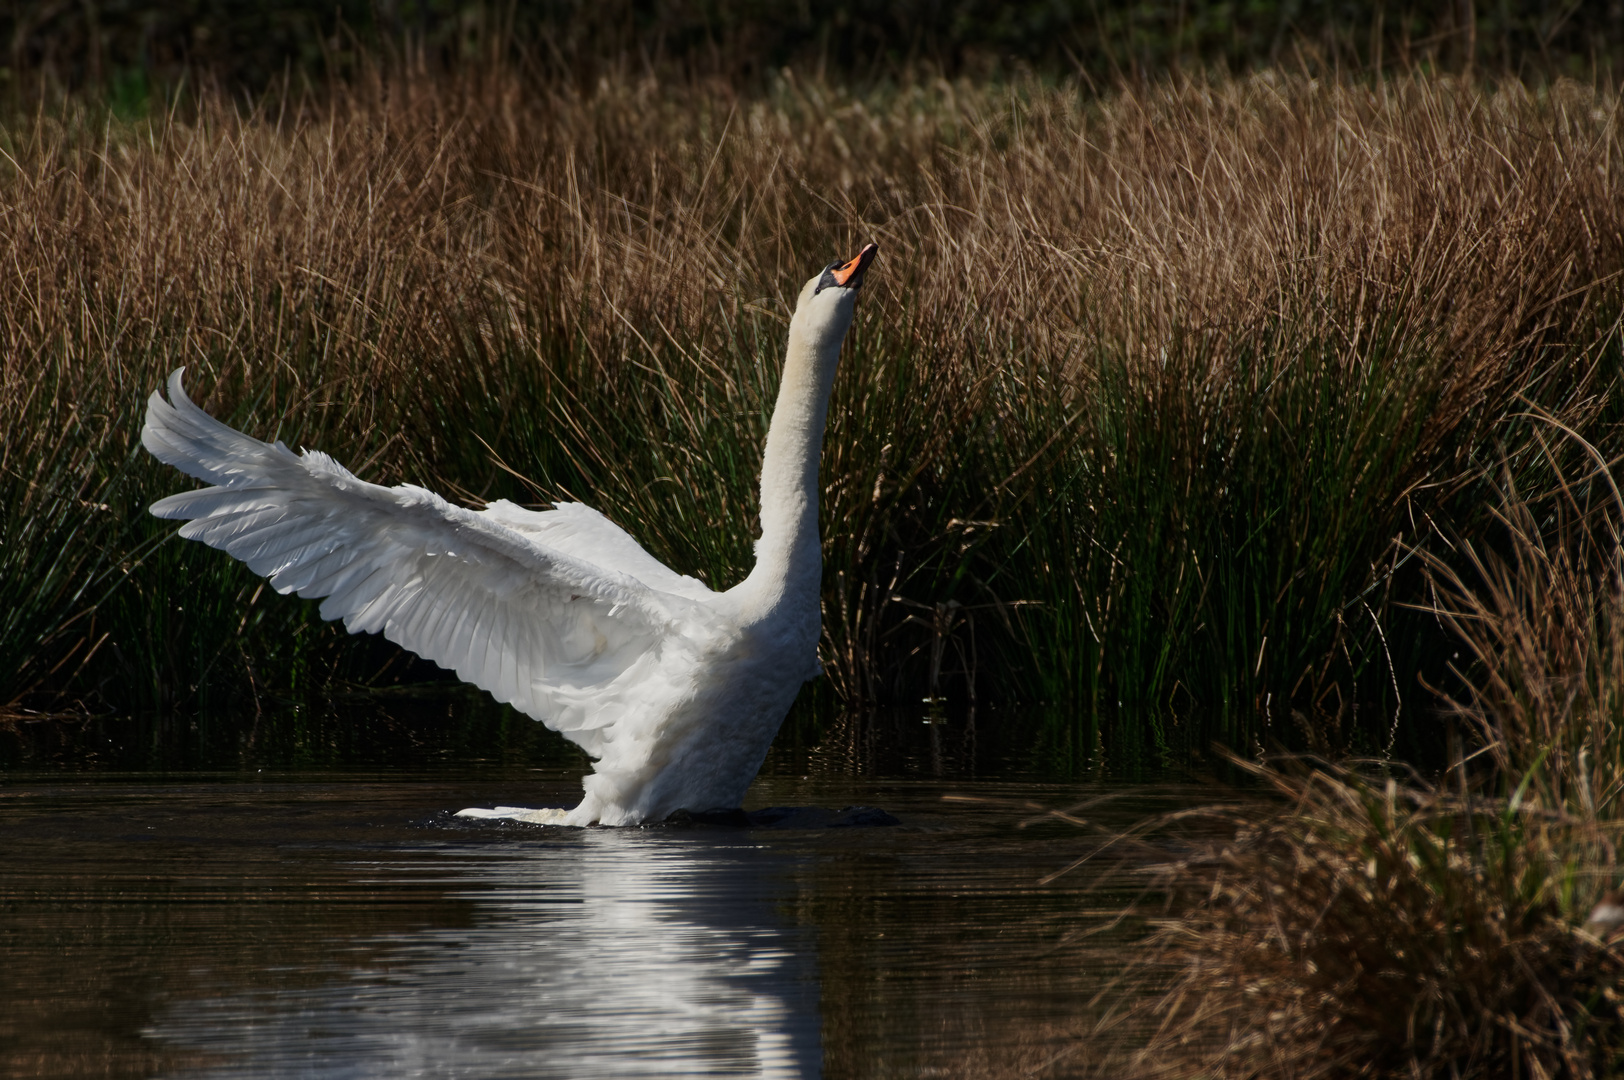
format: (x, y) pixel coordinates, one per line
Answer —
(1385, 930)
(1145, 401)
(1399, 928)
(1539, 609)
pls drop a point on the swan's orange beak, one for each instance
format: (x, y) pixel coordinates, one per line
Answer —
(850, 275)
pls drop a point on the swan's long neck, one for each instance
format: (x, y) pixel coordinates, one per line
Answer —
(789, 563)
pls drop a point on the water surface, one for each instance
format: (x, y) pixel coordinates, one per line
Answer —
(345, 926)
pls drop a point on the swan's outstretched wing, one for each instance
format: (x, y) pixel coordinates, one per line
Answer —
(581, 532)
(538, 626)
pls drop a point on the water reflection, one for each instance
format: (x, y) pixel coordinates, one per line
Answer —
(600, 954)
(345, 926)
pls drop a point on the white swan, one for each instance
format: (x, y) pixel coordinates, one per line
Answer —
(675, 690)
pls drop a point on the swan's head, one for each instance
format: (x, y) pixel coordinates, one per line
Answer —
(825, 306)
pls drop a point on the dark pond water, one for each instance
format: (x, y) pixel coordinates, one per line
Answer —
(343, 925)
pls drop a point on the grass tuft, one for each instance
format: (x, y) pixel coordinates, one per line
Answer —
(1384, 930)
(1370, 926)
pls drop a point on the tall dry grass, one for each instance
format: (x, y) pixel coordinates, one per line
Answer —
(1541, 616)
(1147, 397)
(1405, 928)
(1384, 929)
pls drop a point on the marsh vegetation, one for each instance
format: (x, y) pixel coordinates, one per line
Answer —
(1272, 411)
(1150, 412)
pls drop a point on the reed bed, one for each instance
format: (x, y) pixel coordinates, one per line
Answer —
(1150, 395)
(1371, 926)
(1386, 929)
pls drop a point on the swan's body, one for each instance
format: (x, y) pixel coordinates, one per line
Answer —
(677, 691)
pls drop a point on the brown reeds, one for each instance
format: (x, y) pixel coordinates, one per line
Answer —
(1102, 329)
(1385, 929)
(1539, 609)
(1370, 927)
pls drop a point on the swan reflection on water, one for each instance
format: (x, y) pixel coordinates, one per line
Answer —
(605, 953)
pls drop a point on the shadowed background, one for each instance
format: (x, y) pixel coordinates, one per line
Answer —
(130, 46)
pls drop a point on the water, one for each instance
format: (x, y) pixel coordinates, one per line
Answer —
(345, 926)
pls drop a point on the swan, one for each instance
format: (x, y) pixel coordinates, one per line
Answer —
(674, 690)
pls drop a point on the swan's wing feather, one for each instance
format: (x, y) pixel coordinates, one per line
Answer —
(538, 625)
(580, 531)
